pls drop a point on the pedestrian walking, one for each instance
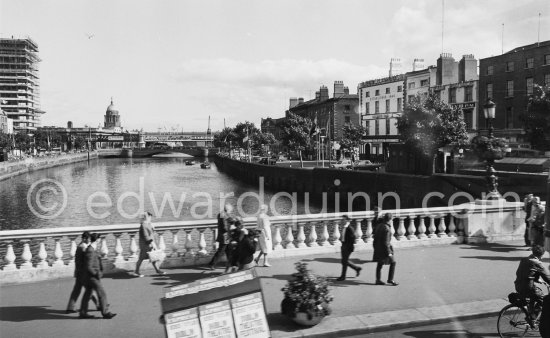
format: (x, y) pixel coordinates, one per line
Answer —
(246, 249)
(79, 268)
(348, 245)
(235, 234)
(537, 222)
(146, 243)
(527, 204)
(92, 280)
(383, 250)
(264, 238)
(225, 218)
(530, 269)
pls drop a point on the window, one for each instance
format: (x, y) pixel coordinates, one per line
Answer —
(529, 63)
(489, 70)
(367, 127)
(376, 127)
(529, 83)
(387, 106)
(347, 107)
(510, 66)
(452, 95)
(468, 94)
(377, 107)
(424, 83)
(468, 118)
(399, 104)
(489, 90)
(510, 117)
(411, 85)
(387, 126)
(367, 94)
(509, 88)
(547, 79)
(377, 92)
(547, 59)
(387, 90)
(410, 98)
(347, 119)
(367, 108)
(399, 89)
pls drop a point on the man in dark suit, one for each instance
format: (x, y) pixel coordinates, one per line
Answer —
(348, 245)
(224, 220)
(79, 268)
(92, 280)
(383, 250)
(530, 269)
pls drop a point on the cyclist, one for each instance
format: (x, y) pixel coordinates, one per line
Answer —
(530, 269)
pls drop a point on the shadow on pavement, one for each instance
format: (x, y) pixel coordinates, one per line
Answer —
(336, 260)
(280, 322)
(496, 247)
(28, 313)
(494, 258)
(448, 334)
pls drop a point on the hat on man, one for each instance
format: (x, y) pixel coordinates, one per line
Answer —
(95, 236)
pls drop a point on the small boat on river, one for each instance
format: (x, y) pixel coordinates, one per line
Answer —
(205, 165)
(189, 162)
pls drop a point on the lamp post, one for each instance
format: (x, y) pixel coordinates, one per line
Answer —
(492, 180)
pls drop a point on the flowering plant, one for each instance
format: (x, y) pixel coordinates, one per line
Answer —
(306, 292)
(489, 148)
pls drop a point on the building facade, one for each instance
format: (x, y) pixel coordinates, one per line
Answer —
(508, 80)
(20, 83)
(6, 124)
(112, 118)
(273, 126)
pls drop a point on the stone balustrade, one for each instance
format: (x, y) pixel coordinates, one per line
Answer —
(39, 254)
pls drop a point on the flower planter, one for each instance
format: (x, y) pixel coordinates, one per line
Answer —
(303, 319)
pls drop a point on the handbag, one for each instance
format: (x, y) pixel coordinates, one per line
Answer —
(156, 255)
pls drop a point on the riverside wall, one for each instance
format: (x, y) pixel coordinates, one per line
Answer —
(347, 187)
(10, 169)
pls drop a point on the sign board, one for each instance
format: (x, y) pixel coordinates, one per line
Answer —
(228, 306)
(463, 105)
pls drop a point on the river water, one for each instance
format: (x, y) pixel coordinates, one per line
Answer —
(114, 191)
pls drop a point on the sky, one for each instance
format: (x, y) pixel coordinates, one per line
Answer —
(170, 65)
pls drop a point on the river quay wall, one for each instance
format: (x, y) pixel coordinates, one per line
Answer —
(10, 169)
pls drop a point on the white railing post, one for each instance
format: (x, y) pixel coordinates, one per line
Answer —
(175, 244)
(118, 249)
(442, 227)
(289, 238)
(26, 255)
(369, 231)
(336, 233)
(392, 228)
(411, 230)
(301, 238)
(421, 227)
(202, 244)
(58, 254)
(133, 248)
(43, 255)
(401, 229)
(312, 240)
(72, 251)
(188, 243)
(162, 244)
(431, 227)
(358, 232)
(10, 258)
(277, 239)
(452, 226)
(104, 249)
(324, 235)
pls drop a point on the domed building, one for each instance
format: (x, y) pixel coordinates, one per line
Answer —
(112, 118)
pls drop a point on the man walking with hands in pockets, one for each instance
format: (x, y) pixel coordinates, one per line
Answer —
(383, 250)
(348, 245)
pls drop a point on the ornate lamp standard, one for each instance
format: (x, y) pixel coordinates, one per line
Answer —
(492, 180)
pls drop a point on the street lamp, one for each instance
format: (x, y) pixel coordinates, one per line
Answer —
(492, 180)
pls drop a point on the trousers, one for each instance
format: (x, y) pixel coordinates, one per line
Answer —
(94, 284)
(345, 263)
(379, 266)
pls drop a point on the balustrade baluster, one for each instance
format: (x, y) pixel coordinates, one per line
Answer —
(312, 240)
(442, 227)
(104, 249)
(392, 228)
(336, 233)
(43, 255)
(431, 227)
(421, 227)
(325, 235)
(411, 230)
(460, 226)
(289, 238)
(452, 226)
(401, 229)
(277, 239)
(118, 249)
(202, 244)
(215, 244)
(133, 248)
(301, 238)
(10, 258)
(72, 251)
(368, 232)
(26, 255)
(175, 244)
(358, 232)
(58, 254)
(188, 243)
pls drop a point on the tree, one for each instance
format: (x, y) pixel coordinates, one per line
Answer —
(223, 138)
(352, 136)
(295, 133)
(6, 141)
(427, 124)
(537, 118)
(23, 141)
(41, 139)
(242, 130)
(79, 142)
(260, 140)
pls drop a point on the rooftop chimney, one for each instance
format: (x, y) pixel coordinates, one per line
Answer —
(293, 102)
(300, 100)
(338, 88)
(323, 93)
(447, 69)
(396, 67)
(467, 68)
(418, 64)
(346, 91)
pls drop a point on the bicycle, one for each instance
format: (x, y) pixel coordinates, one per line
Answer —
(516, 318)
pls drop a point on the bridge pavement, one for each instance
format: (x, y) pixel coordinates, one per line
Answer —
(435, 283)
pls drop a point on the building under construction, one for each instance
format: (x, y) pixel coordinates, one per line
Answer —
(19, 83)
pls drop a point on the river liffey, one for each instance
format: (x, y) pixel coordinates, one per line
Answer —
(113, 191)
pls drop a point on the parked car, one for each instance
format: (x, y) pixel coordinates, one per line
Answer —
(267, 160)
(365, 165)
(342, 164)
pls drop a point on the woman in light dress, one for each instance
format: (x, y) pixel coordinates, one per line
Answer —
(146, 243)
(264, 227)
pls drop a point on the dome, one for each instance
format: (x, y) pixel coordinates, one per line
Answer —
(111, 109)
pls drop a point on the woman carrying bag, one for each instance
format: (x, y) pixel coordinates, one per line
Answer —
(147, 246)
